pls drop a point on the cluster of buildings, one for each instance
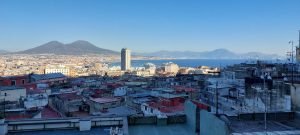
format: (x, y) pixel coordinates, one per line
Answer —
(264, 96)
(145, 91)
(72, 66)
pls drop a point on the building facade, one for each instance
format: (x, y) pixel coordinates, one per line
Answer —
(171, 68)
(125, 59)
(57, 69)
(12, 93)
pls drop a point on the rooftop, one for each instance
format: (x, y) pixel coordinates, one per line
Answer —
(10, 87)
(47, 76)
(69, 96)
(168, 96)
(117, 111)
(176, 129)
(104, 100)
(48, 112)
(257, 126)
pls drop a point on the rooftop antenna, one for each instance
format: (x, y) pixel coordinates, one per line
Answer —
(299, 39)
(292, 57)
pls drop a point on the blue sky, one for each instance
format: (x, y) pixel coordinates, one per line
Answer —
(152, 25)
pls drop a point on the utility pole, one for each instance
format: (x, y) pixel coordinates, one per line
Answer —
(299, 39)
(292, 57)
(298, 50)
(292, 62)
(217, 99)
(266, 101)
(5, 94)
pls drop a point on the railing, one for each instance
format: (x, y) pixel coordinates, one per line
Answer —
(95, 121)
(61, 123)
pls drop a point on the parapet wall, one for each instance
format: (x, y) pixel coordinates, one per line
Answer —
(270, 116)
(63, 123)
(87, 123)
(140, 120)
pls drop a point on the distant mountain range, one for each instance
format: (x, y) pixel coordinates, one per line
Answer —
(82, 47)
(3, 51)
(79, 47)
(215, 54)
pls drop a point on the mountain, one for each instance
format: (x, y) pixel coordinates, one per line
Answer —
(79, 47)
(3, 51)
(215, 54)
(219, 53)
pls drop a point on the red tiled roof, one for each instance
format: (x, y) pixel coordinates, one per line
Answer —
(201, 105)
(167, 109)
(48, 112)
(17, 117)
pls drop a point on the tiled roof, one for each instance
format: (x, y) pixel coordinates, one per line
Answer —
(48, 112)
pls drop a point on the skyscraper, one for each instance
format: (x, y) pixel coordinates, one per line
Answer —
(125, 59)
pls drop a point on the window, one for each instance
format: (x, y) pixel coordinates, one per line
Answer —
(145, 108)
(151, 110)
(13, 82)
(23, 81)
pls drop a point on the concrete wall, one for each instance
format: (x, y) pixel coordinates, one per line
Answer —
(98, 107)
(139, 120)
(84, 124)
(149, 111)
(65, 106)
(191, 115)
(176, 119)
(67, 123)
(212, 125)
(142, 120)
(295, 95)
(3, 128)
(13, 95)
(281, 116)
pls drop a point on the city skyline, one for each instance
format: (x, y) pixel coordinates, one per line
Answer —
(144, 26)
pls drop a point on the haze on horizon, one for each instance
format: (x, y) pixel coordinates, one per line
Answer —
(153, 25)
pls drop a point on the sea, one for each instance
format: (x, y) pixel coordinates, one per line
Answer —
(186, 62)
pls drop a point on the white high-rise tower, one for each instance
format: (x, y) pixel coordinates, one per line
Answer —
(125, 59)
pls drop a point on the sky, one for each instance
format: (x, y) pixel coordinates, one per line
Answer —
(153, 25)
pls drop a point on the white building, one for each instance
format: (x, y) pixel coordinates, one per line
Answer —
(171, 68)
(125, 59)
(150, 67)
(206, 70)
(150, 111)
(57, 69)
(36, 100)
(144, 73)
(121, 91)
(12, 93)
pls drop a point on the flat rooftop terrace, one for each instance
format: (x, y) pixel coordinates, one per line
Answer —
(287, 127)
(174, 129)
